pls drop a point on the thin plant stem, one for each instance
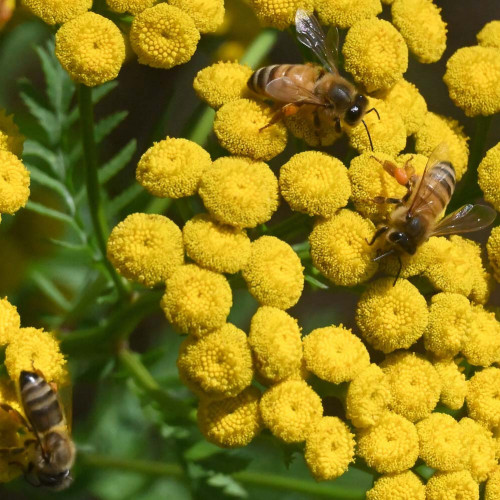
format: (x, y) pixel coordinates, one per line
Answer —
(97, 215)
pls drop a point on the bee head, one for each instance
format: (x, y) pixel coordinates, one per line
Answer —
(401, 240)
(357, 110)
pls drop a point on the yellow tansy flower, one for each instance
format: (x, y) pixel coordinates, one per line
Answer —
(222, 82)
(483, 399)
(239, 191)
(420, 23)
(163, 36)
(391, 445)
(329, 449)
(274, 273)
(442, 445)
(449, 318)
(315, 183)
(91, 49)
(451, 485)
(220, 248)
(276, 344)
(437, 129)
(239, 127)
(10, 138)
(217, 365)
(279, 13)
(388, 134)
(335, 354)
(391, 316)
(231, 422)
(409, 103)
(368, 396)
(492, 491)
(146, 248)
(207, 15)
(454, 386)
(10, 321)
(339, 248)
(480, 449)
(473, 80)
(58, 11)
(375, 54)
(489, 36)
(489, 176)
(197, 300)
(344, 14)
(400, 486)
(132, 6)
(14, 183)
(35, 349)
(172, 168)
(291, 410)
(493, 247)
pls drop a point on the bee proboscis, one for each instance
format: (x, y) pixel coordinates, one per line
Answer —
(331, 96)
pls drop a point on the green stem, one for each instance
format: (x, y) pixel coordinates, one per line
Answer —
(92, 181)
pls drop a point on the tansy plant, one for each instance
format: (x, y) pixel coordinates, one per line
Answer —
(206, 281)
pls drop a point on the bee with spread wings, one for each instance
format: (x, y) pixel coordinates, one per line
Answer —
(329, 96)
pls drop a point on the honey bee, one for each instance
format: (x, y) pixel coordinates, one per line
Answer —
(331, 98)
(52, 452)
(416, 216)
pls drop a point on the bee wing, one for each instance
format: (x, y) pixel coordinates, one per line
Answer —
(310, 34)
(465, 220)
(285, 90)
(65, 396)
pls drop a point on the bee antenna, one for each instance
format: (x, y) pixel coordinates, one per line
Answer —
(376, 112)
(380, 257)
(368, 132)
(399, 270)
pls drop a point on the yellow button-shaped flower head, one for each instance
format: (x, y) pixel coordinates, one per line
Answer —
(58, 11)
(276, 344)
(10, 138)
(222, 82)
(239, 191)
(146, 248)
(489, 176)
(449, 320)
(335, 354)
(492, 490)
(239, 127)
(453, 384)
(315, 183)
(388, 134)
(415, 385)
(14, 183)
(489, 36)
(329, 449)
(197, 300)
(10, 322)
(391, 316)
(207, 15)
(420, 23)
(231, 422)
(291, 410)
(132, 6)
(391, 445)
(218, 365)
(410, 104)
(35, 349)
(480, 449)
(442, 444)
(91, 49)
(473, 80)
(493, 247)
(344, 14)
(375, 54)
(274, 273)
(172, 168)
(163, 36)
(279, 13)
(402, 486)
(368, 396)
(339, 248)
(220, 248)
(444, 485)
(483, 400)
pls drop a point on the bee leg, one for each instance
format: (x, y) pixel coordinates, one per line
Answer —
(16, 415)
(338, 126)
(380, 200)
(399, 270)
(287, 110)
(380, 231)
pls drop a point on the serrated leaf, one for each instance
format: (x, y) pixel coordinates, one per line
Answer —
(120, 160)
(53, 160)
(290, 451)
(200, 451)
(49, 212)
(124, 198)
(105, 126)
(315, 283)
(228, 485)
(103, 90)
(50, 290)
